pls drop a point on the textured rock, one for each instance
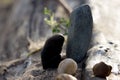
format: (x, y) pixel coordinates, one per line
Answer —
(79, 34)
(109, 54)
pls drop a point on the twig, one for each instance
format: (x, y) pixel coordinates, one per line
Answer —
(65, 4)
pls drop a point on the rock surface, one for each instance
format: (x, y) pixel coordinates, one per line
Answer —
(80, 33)
(106, 36)
(108, 54)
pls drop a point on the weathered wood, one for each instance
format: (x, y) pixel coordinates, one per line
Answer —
(80, 32)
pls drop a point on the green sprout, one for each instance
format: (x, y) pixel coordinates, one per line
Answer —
(56, 26)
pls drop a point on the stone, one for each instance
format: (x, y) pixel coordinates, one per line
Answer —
(65, 77)
(79, 33)
(50, 54)
(102, 70)
(68, 66)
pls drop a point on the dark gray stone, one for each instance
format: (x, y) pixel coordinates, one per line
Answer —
(80, 32)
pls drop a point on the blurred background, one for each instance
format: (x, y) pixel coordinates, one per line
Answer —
(25, 24)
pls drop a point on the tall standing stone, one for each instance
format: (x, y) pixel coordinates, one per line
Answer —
(80, 32)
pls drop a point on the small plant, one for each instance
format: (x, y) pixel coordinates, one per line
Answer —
(57, 26)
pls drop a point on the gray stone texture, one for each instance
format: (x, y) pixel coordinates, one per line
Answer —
(80, 32)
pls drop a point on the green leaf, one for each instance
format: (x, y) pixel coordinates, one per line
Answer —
(55, 30)
(47, 11)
